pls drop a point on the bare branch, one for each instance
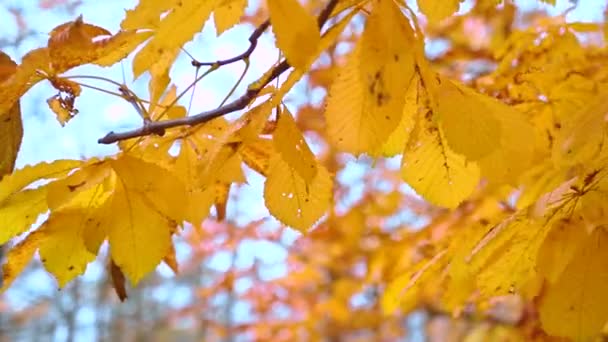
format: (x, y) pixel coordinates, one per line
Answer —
(159, 127)
(253, 43)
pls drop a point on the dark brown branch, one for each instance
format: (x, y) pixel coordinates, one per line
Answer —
(253, 43)
(159, 127)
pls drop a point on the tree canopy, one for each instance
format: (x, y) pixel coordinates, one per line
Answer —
(500, 134)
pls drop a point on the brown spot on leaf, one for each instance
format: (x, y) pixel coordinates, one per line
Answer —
(75, 186)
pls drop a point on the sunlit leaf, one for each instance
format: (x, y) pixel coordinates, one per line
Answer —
(291, 200)
(296, 30)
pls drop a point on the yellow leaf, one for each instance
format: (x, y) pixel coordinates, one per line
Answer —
(366, 101)
(507, 262)
(63, 252)
(396, 141)
(296, 30)
(575, 306)
(436, 172)
(228, 14)
(184, 19)
(582, 135)
(147, 204)
(328, 39)
(200, 196)
(460, 283)
(63, 114)
(33, 66)
(290, 143)
(257, 154)
(11, 133)
(146, 15)
(11, 128)
(139, 235)
(438, 10)
(159, 75)
(21, 178)
(18, 258)
(469, 119)
(403, 292)
(120, 46)
(559, 247)
(229, 168)
(291, 200)
(515, 152)
(64, 192)
(20, 211)
(159, 188)
(167, 109)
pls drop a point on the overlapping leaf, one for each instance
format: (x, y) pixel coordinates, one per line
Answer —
(366, 100)
(11, 128)
(437, 173)
(297, 33)
(291, 200)
(575, 306)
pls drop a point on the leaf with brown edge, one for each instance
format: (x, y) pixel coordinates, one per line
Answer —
(34, 65)
(171, 260)
(11, 127)
(77, 43)
(11, 133)
(72, 44)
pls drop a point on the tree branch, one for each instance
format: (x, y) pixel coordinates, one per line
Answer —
(159, 127)
(253, 43)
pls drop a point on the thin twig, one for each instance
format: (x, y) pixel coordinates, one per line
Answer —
(159, 127)
(253, 43)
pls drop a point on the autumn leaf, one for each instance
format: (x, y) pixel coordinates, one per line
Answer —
(366, 100)
(290, 143)
(574, 306)
(291, 200)
(83, 188)
(183, 20)
(436, 11)
(63, 251)
(296, 30)
(403, 291)
(434, 170)
(228, 14)
(19, 207)
(468, 119)
(141, 215)
(18, 258)
(11, 128)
